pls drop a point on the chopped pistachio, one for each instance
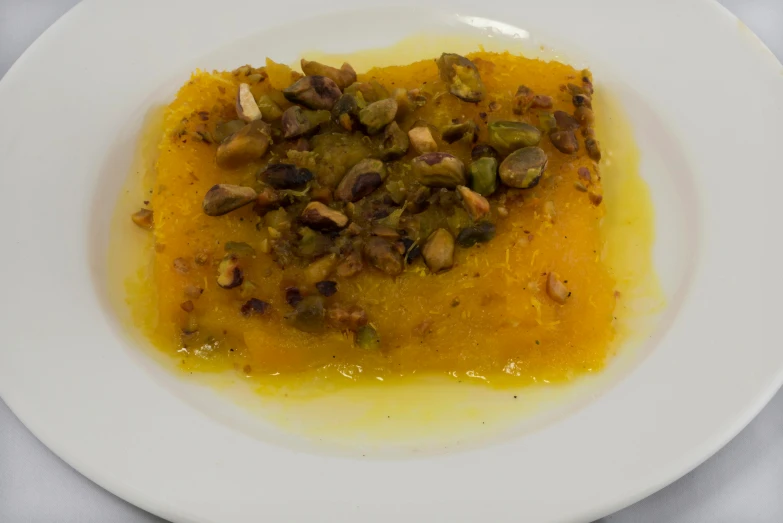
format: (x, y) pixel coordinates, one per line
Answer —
(484, 175)
(378, 114)
(309, 314)
(439, 170)
(285, 176)
(270, 110)
(296, 121)
(361, 180)
(564, 141)
(481, 232)
(224, 198)
(320, 269)
(523, 168)
(367, 338)
(342, 77)
(142, 218)
(438, 251)
(248, 144)
(383, 256)
(319, 216)
(476, 205)
(459, 129)
(254, 307)
(395, 142)
(422, 140)
(314, 92)
(247, 109)
(230, 274)
(462, 76)
(345, 317)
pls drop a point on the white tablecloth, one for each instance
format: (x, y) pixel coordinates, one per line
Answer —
(743, 483)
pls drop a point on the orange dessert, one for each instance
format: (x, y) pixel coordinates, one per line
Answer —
(441, 217)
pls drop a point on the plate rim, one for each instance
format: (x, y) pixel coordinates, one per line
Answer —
(138, 499)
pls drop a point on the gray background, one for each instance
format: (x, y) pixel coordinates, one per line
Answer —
(743, 483)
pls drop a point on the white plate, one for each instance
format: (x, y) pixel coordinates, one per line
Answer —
(704, 97)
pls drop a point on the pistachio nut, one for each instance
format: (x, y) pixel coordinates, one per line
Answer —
(421, 139)
(298, 122)
(224, 198)
(459, 129)
(484, 175)
(507, 136)
(438, 251)
(564, 141)
(439, 169)
(462, 77)
(314, 92)
(249, 143)
(523, 168)
(361, 180)
(320, 217)
(395, 142)
(285, 176)
(481, 232)
(343, 77)
(378, 114)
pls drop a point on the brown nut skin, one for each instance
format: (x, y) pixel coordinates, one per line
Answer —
(314, 92)
(395, 142)
(582, 100)
(346, 317)
(523, 99)
(361, 180)
(585, 116)
(483, 150)
(268, 199)
(481, 232)
(285, 176)
(224, 198)
(383, 256)
(439, 170)
(230, 274)
(542, 101)
(326, 288)
(565, 122)
(564, 141)
(593, 149)
(244, 146)
(459, 129)
(342, 77)
(345, 112)
(320, 217)
(462, 77)
(523, 168)
(438, 251)
(143, 218)
(596, 195)
(351, 265)
(254, 307)
(296, 121)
